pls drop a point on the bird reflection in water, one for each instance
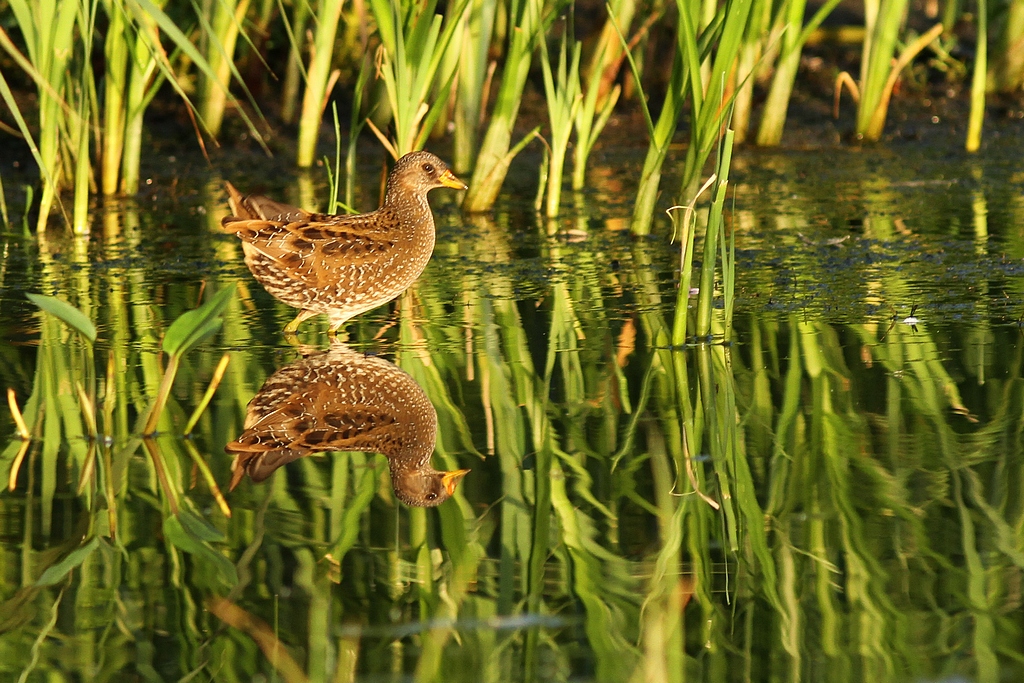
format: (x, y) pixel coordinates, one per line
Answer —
(342, 400)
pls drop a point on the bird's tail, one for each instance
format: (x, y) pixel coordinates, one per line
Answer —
(256, 207)
(239, 209)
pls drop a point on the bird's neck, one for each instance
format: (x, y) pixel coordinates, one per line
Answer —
(406, 203)
(409, 459)
(414, 220)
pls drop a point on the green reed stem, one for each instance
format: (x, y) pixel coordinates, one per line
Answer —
(715, 246)
(224, 28)
(728, 256)
(477, 27)
(715, 232)
(116, 49)
(773, 120)
(660, 133)
(162, 393)
(600, 98)
(492, 161)
(756, 54)
(978, 80)
(334, 179)
(294, 73)
(218, 374)
(542, 182)
(711, 106)
(355, 126)
(414, 47)
(684, 226)
(143, 80)
(562, 91)
(315, 98)
(882, 23)
(81, 126)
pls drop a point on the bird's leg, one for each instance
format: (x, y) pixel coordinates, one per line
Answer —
(336, 334)
(336, 320)
(296, 343)
(293, 326)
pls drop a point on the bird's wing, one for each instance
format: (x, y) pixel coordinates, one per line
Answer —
(317, 244)
(313, 419)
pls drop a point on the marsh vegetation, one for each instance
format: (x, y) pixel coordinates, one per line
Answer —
(732, 412)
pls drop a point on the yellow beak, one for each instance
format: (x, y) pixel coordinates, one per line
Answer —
(448, 179)
(452, 479)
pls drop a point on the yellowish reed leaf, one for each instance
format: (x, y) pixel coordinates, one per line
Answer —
(19, 421)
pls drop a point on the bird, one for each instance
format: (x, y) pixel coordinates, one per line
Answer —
(342, 265)
(343, 400)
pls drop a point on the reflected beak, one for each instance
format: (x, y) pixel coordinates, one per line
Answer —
(448, 179)
(452, 479)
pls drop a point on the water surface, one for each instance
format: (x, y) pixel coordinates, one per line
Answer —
(835, 495)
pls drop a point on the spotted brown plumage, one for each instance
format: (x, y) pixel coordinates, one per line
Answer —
(341, 400)
(336, 264)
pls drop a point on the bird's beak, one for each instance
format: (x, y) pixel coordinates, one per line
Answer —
(452, 479)
(448, 179)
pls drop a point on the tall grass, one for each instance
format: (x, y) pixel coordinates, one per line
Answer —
(879, 71)
(755, 59)
(528, 21)
(795, 35)
(57, 55)
(978, 80)
(1007, 67)
(562, 91)
(660, 133)
(97, 65)
(318, 77)
(711, 104)
(294, 70)
(148, 68)
(601, 92)
(224, 27)
(115, 51)
(414, 47)
(719, 247)
(473, 81)
(50, 31)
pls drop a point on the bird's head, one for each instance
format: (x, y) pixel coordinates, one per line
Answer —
(425, 487)
(420, 172)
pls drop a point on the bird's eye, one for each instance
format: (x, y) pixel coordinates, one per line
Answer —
(431, 496)
(428, 168)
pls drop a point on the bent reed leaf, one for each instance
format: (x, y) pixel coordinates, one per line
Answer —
(66, 313)
(192, 327)
(56, 572)
(187, 531)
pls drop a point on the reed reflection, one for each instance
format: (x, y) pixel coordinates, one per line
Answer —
(342, 400)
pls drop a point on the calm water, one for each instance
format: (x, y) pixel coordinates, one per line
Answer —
(837, 495)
